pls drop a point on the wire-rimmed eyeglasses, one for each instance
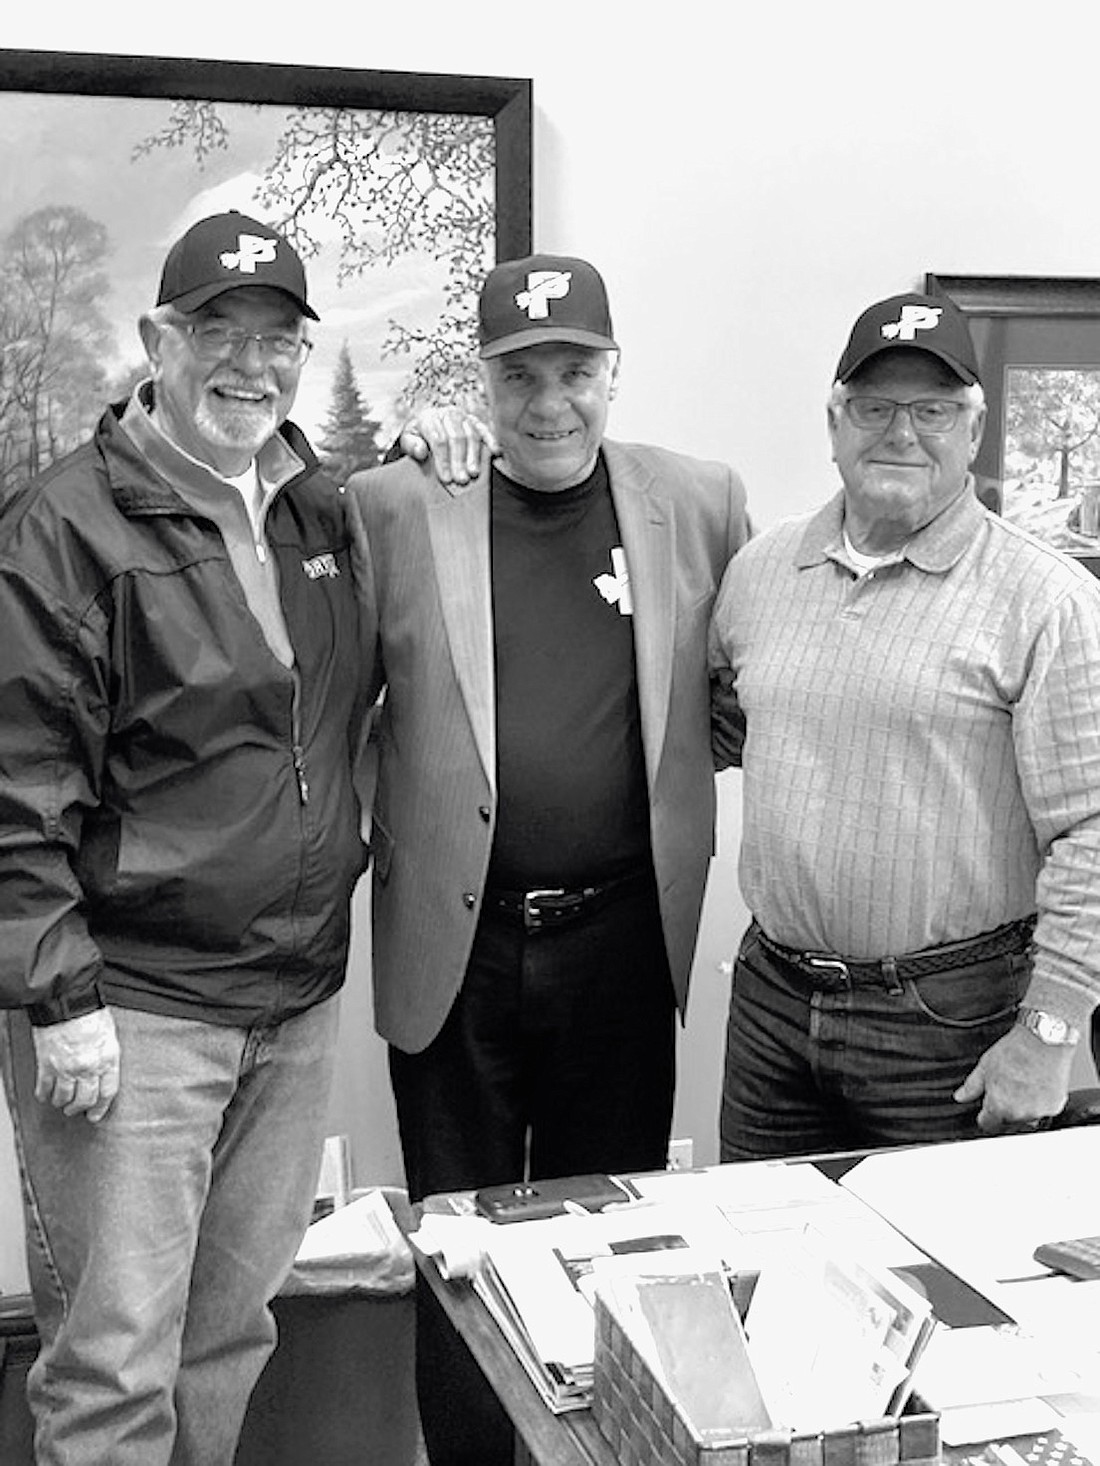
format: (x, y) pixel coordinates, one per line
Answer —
(930, 416)
(216, 341)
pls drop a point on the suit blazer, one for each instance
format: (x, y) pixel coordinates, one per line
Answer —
(425, 588)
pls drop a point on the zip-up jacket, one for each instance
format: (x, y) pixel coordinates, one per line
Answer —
(177, 819)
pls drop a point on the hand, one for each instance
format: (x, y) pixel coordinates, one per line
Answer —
(1020, 1081)
(78, 1064)
(455, 439)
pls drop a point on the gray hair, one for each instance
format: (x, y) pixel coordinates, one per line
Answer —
(164, 315)
(975, 397)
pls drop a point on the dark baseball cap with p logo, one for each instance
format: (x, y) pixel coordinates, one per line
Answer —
(230, 252)
(543, 298)
(930, 323)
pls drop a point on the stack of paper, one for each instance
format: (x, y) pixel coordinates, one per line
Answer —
(538, 1281)
(834, 1340)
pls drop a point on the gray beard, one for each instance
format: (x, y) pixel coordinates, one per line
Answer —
(244, 427)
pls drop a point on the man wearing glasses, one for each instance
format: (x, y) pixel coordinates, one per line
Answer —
(180, 839)
(917, 685)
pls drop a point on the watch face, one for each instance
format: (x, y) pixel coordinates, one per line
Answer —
(1047, 1027)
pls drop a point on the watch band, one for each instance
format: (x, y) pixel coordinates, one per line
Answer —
(1048, 1028)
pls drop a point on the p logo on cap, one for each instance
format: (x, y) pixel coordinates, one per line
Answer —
(913, 318)
(252, 250)
(543, 286)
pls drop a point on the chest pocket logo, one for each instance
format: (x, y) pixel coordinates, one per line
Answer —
(615, 588)
(319, 567)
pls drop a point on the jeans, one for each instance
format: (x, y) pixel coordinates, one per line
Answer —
(157, 1237)
(809, 1071)
(557, 1058)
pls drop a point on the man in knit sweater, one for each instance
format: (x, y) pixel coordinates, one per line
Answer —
(917, 686)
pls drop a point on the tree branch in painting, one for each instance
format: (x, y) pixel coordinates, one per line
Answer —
(393, 183)
(53, 337)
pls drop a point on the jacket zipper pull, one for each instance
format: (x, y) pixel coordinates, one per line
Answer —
(300, 772)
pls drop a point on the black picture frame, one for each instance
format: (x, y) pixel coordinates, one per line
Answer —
(133, 192)
(1025, 322)
(507, 101)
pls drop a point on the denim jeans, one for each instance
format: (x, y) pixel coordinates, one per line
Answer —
(157, 1237)
(809, 1071)
(560, 1049)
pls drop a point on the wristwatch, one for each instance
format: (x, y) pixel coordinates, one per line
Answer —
(1048, 1029)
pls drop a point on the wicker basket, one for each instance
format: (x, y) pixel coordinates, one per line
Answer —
(645, 1428)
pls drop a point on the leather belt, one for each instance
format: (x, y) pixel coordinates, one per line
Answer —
(829, 972)
(552, 906)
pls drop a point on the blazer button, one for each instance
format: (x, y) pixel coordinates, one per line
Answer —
(484, 811)
(469, 900)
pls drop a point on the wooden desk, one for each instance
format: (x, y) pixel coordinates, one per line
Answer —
(542, 1438)
(573, 1439)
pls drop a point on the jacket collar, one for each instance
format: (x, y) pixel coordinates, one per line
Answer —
(176, 475)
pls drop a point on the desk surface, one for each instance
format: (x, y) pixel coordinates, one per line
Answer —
(572, 1439)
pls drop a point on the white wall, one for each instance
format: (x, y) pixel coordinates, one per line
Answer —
(747, 177)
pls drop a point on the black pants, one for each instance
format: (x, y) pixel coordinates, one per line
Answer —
(560, 1046)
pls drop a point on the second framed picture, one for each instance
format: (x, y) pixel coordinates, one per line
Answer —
(1038, 342)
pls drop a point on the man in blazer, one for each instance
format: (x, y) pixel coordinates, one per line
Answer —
(544, 802)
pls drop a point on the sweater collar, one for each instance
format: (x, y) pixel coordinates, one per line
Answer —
(935, 548)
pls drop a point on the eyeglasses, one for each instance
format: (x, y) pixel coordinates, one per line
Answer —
(215, 341)
(930, 416)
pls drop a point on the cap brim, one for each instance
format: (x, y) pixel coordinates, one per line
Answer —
(964, 373)
(203, 294)
(570, 335)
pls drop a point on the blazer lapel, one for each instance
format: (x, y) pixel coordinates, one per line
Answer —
(459, 529)
(647, 529)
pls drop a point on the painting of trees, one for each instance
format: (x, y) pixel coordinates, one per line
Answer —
(390, 184)
(399, 191)
(1052, 452)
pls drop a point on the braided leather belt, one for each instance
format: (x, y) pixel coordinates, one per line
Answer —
(552, 906)
(830, 972)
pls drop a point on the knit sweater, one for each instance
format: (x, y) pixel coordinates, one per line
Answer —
(922, 755)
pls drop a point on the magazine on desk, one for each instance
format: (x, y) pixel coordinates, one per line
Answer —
(859, 1327)
(537, 1280)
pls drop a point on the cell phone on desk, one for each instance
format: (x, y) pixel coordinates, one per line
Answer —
(527, 1201)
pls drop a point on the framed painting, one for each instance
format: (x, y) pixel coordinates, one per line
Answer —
(399, 190)
(1038, 343)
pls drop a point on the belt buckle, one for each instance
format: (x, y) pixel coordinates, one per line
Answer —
(835, 967)
(533, 918)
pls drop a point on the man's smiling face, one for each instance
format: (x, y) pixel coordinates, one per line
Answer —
(898, 478)
(222, 412)
(549, 407)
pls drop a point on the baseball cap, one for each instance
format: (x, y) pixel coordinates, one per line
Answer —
(930, 323)
(229, 252)
(543, 298)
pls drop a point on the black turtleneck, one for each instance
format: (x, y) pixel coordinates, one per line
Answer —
(573, 806)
